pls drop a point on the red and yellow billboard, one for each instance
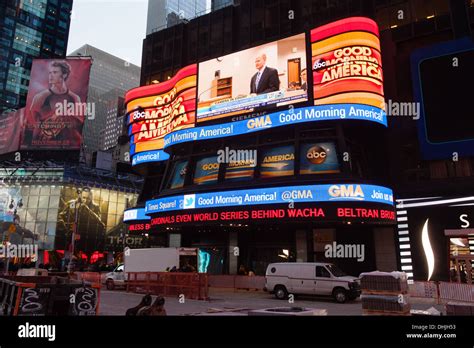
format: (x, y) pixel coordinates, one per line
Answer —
(157, 110)
(347, 64)
(56, 105)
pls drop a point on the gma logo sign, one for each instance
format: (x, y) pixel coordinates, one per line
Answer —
(259, 122)
(346, 192)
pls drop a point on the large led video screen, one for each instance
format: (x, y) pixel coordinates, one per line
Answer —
(253, 80)
(157, 110)
(347, 64)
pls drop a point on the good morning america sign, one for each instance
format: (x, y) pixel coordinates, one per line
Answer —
(274, 195)
(278, 119)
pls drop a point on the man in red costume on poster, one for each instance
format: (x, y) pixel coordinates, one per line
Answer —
(48, 123)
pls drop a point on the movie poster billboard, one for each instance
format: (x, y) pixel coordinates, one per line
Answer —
(56, 106)
(100, 215)
(253, 80)
(10, 131)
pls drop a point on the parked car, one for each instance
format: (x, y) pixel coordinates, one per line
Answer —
(115, 278)
(310, 278)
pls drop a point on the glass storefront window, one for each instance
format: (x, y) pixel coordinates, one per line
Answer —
(113, 196)
(52, 214)
(43, 202)
(54, 201)
(51, 229)
(34, 191)
(42, 214)
(33, 202)
(31, 215)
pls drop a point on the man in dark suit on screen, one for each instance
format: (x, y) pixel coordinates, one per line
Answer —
(266, 79)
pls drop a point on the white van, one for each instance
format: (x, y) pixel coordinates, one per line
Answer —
(310, 278)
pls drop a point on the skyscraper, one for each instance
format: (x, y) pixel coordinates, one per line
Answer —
(29, 29)
(166, 13)
(110, 78)
(218, 4)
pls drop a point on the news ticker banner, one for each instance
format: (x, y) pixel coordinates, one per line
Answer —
(277, 119)
(136, 214)
(371, 213)
(274, 195)
(149, 157)
(347, 63)
(156, 110)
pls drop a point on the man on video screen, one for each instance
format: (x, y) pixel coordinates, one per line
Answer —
(266, 79)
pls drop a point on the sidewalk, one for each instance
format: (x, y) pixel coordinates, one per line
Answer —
(117, 302)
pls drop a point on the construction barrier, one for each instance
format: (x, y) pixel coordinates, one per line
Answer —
(423, 290)
(442, 291)
(192, 285)
(41, 296)
(237, 282)
(91, 277)
(456, 292)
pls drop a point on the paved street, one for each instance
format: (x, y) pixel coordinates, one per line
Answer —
(117, 302)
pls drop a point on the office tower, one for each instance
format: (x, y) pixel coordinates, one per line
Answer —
(110, 78)
(166, 13)
(28, 30)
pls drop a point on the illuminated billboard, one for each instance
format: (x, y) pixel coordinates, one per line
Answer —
(207, 171)
(437, 140)
(273, 195)
(252, 80)
(347, 64)
(240, 169)
(99, 214)
(320, 158)
(178, 174)
(157, 110)
(277, 161)
(329, 212)
(56, 105)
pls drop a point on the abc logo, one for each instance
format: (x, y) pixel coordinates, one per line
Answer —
(316, 155)
(319, 64)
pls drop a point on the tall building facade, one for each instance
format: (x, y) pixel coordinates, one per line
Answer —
(218, 4)
(28, 30)
(166, 13)
(110, 78)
